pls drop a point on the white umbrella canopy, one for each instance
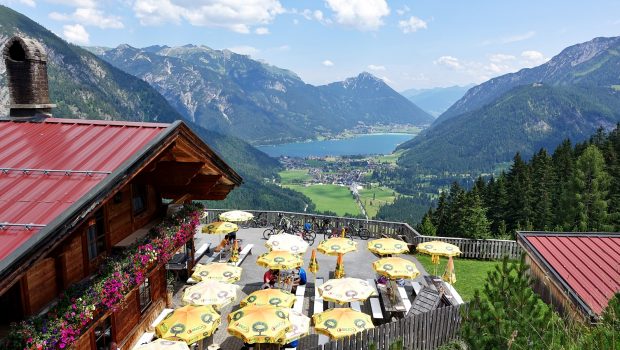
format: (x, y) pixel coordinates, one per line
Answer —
(287, 242)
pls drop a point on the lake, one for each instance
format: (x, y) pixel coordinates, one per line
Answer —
(356, 145)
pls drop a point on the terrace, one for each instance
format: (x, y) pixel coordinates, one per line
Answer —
(356, 264)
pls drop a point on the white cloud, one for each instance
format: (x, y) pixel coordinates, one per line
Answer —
(500, 57)
(89, 17)
(376, 67)
(318, 15)
(261, 30)
(75, 33)
(401, 11)
(236, 15)
(518, 37)
(449, 61)
(412, 25)
(360, 14)
(245, 50)
(327, 63)
(29, 3)
(75, 3)
(533, 58)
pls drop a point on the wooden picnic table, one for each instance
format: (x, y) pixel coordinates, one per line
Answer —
(392, 301)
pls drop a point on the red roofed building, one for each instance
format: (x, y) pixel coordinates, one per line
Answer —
(575, 272)
(73, 192)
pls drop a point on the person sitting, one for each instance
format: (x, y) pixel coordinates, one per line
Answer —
(223, 244)
(270, 278)
(300, 280)
(291, 345)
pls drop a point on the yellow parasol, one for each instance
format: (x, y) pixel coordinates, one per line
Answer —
(273, 297)
(395, 267)
(337, 245)
(384, 246)
(346, 290)
(219, 228)
(300, 326)
(189, 324)
(260, 324)
(436, 249)
(234, 254)
(236, 216)
(449, 276)
(287, 242)
(221, 272)
(313, 266)
(163, 344)
(341, 322)
(218, 294)
(339, 271)
(279, 260)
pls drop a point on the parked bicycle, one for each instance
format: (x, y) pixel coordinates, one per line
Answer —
(258, 221)
(284, 224)
(306, 233)
(350, 231)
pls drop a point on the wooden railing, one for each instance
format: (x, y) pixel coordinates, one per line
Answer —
(425, 331)
(470, 248)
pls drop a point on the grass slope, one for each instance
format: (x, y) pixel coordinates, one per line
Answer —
(470, 274)
(329, 197)
(374, 198)
(296, 176)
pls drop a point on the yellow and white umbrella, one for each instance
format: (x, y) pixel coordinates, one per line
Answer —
(395, 267)
(279, 260)
(236, 216)
(449, 276)
(346, 290)
(260, 324)
(300, 326)
(339, 271)
(337, 245)
(189, 324)
(219, 228)
(218, 294)
(385, 246)
(436, 249)
(273, 297)
(163, 344)
(313, 266)
(221, 272)
(341, 322)
(287, 242)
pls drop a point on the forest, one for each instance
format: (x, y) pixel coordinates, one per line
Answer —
(576, 188)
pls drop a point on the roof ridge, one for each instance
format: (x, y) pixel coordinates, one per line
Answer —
(93, 122)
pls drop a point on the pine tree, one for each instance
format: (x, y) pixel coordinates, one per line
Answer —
(473, 222)
(519, 194)
(564, 166)
(497, 204)
(542, 187)
(508, 315)
(439, 218)
(455, 204)
(426, 227)
(590, 186)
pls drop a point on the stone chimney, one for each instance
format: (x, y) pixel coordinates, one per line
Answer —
(26, 68)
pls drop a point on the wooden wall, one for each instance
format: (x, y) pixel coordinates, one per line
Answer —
(127, 316)
(119, 218)
(40, 285)
(72, 261)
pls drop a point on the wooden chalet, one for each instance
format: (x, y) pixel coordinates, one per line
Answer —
(576, 273)
(74, 191)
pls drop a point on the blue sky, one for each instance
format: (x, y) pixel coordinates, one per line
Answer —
(410, 44)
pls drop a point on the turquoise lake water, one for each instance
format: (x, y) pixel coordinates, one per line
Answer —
(357, 145)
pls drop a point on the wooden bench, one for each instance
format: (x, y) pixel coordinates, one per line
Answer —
(161, 316)
(247, 250)
(375, 304)
(146, 338)
(417, 287)
(355, 305)
(204, 249)
(301, 290)
(403, 295)
(299, 303)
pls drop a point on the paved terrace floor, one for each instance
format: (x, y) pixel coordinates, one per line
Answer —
(357, 264)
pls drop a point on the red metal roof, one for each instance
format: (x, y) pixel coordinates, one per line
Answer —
(589, 264)
(37, 197)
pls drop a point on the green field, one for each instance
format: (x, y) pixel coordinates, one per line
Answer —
(329, 197)
(296, 176)
(388, 158)
(470, 274)
(616, 87)
(374, 198)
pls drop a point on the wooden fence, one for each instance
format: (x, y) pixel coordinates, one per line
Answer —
(425, 331)
(470, 248)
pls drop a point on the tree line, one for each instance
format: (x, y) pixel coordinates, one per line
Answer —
(576, 188)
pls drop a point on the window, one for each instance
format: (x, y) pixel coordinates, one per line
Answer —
(145, 295)
(138, 199)
(95, 236)
(103, 335)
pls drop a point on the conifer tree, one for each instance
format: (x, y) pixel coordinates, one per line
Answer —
(426, 226)
(519, 194)
(542, 186)
(498, 203)
(455, 203)
(473, 222)
(590, 186)
(563, 164)
(439, 218)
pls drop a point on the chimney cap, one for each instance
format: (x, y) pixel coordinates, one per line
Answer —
(31, 50)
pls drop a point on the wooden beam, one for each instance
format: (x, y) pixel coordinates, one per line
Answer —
(183, 199)
(171, 173)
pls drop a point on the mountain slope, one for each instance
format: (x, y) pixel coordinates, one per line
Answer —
(436, 100)
(593, 63)
(84, 86)
(234, 94)
(570, 96)
(524, 120)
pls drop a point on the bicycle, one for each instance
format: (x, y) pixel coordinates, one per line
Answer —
(258, 221)
(283, 225)
(359, 231)
(306, 233)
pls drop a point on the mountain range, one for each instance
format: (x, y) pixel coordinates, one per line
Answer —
(570, 96)
(263, 104)
(85, 86)
(437, 100)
